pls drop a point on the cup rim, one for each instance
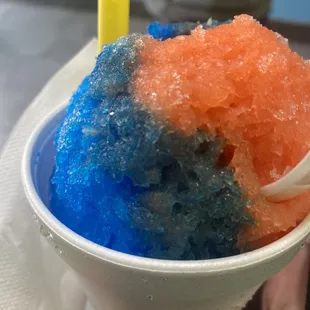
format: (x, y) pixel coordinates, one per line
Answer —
(209, 266)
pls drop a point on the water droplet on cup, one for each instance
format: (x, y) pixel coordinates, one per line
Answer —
(50, 237)
(150, 297)
(144, 281)
(59, 250)
(302, 245)
(35, 218)
(44, 231)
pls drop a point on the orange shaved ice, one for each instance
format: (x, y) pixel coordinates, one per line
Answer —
(240, 81)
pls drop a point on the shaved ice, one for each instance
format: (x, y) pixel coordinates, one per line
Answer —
(165, 145)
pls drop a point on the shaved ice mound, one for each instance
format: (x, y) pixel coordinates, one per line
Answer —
(165, 145)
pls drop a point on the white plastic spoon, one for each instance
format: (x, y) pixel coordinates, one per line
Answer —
(296, 182)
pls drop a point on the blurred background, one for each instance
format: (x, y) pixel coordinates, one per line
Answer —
(37, 37)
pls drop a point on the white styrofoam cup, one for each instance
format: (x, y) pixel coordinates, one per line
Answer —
(117, 281)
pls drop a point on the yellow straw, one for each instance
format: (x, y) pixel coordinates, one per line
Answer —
(113, 20)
